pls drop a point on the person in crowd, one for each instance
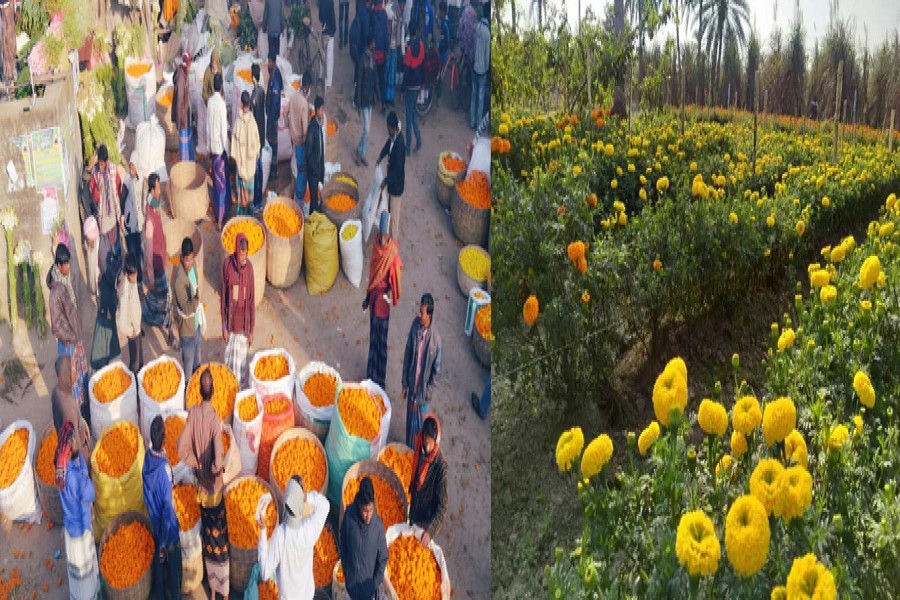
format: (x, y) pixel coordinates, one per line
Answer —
(133, 217)
(343, 23)
(106, 190)
(482, 404)
(238, 308)
(66, 408)
(396, 49)
(381, 33)
(258, 107)
(181, 109)
(105, 345)
(129, 314)
(480, 66)
(360, 31)
(245, 142)
(91, 232)
(384, 289)
(454, 7)
(363, 545)
(288, 556)
(157, 303)
(465, 33)
(443, 33)
(217, 119)
(422, 17)
(315, 153)
(201, 448)
(65, 324)
(157, 480)
(186, 290)
(421, 368)
(395, 151)
(209, 76)
(428, 488)
(413, 78)
(272, 25)
(273, 112)
(76, 494)
(367, 94)
(326, 18)
(297, 116)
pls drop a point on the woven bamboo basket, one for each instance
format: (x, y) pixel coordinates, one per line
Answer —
(334, 186)
(443, 191)
(258, 260)
(164, 115)
(243, 559)
(470, 225)
(49, 494)
(333, 144)
(140, 590)
(176, 230)
(284, 256)
(286, 436)
(188, 190)
(465, 281)
(372, 468)
(402, 449)
(325, 590)
(482, 347)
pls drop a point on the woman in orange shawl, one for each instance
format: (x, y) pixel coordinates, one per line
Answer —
(385, 274)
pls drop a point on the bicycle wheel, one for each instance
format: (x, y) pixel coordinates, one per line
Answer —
(423, 107)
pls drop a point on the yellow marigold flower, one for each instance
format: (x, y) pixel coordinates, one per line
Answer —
(585, 296)
(642, 194)
(819, 278)
(670, 390)
(596, 455)
(733, 218)
(826, 201)
(786, 339)
(764, 480)
(865, 305)
(623, 219)
(530, 310)
(696, 544)
(838, 253)
(869, 272)
(795, 449)
(801, 228)
(747, 535)
(618, 206)
(614, 183)
(576, 170)
(738, 444)
(503, 129)
(858, 424)
(724, 466)
(609, 150)
(712, 418)
(828, 294)
(662, 184)
(619, 171)
(810, 579)
(882, 279)
(693, 166)
(647, 437)
(631, 167)
(863, 386)
(770, 221)
(779, 592)
(886, 229)
(568, 448)
(643, 180)
(779, 419)
(746, 415)
(891, 201)
(838, 437)
(794, 493)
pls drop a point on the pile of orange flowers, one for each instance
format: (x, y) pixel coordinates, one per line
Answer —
(225, 388)
(268, 590)
(118, 449)
(12, 457)
(281, 220)
(166, 99)
(226, 442)
(301, 457)
(112, 385)
(453, 164)
(137, 70)
(161, 380)
(340, 202)
(390, 507)
(276, 405)
(184, 497)
(359, 413)
(245, 74)
(174, 427)
(248, 409)
(325, 556)
(476, 190)
(576, 252)
(240, 510)
(271, 367)
(248, 227)
(127, 555)
(413, 570)
(500, 145)
(321, 389)
(331, 129)
(46, 460)
(483, 322)
(401, 463)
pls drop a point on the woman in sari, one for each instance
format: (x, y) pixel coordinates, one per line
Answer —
(157, 304)
(385, 274)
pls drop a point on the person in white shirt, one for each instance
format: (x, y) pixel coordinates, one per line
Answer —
(217, 126)
(288, 556)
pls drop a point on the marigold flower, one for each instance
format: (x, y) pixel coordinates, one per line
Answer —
(174, 427)
(46, 460)
(282, 220)
(401, 463)
(268, 589)
(453, 164)
(250, 228)
(568, 448)
(696, 544)
(302, 457)
(474, 263)
(786, 339)
(819, 278)
(864, 389)
(865, 305)
(779, 419)
(747, 535)
(390, 507)
(670, 390)
(779, 592)
(724, 466)
(763, 482)
(325, 556)
(248, 409)
(733, 218)
(886, 229)
(117, 449)
(596, 455)
(184, 499)
(795, 449)
(475, 190)
(240, 510)
(359, 412)
(858, 425)
(321, 389)
(609, 150)
(530, 310)
(576, 250)
(838, 437)
(662, 184)
(642, 194)
(127, 555)
(746, 416)
(810, 579)
(712, 418)
(271, 367)
(838, 253)
(112, 385)
(647, 437)
(340, 202)
(161, 381)
(801, 228)
(869, 272)
(794, 487)
(12, 457)
(413, 570)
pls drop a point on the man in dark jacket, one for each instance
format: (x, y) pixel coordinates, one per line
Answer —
(428, 488)
(272, 26)
(421, 368)
(363, 546)
(157, 478)
(258, 106)
(367, 93)
(326, 18)
(315, 154)
(382, 34)
(395, 151)
(238, 308)
(273, 113)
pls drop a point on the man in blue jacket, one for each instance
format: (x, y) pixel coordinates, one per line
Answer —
(157, 476)
(273, 113)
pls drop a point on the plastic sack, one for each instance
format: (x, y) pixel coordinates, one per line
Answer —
(191, 546)
(284, 386)
(315, 418)
(149, 154)
(352, 256)
(123, 408)
(371, 212)
(247, 434)
(232, 457)
(82, 565)
(481, 157)
(115, 495)
(320, 246)
(266, 164)
(150, 407)
(19, 501)
(180, 469)
(273, 425)
(140, 93)
(402, 529)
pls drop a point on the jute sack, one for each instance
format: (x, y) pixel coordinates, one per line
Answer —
(321, 248)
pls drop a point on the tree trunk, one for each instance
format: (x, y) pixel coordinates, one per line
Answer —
(700, 95)
(618, 106)
(679, 65)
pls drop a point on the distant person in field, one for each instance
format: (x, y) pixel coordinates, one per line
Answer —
(367, 95)
(273, 113)
(481, 65)
(105, 345)
(238, 308)
(383, 291)
(421, 368)
(428, 489)
(106, 190)
(258, 108)
(66, 408)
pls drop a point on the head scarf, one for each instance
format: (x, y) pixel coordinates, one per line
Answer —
(65, 280)
(241, 237)
(424, 461)
(63, 453)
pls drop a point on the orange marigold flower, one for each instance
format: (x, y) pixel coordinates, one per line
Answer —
(390, 507)
(453, 164)
(401, 463)
(46, 460)
(340, 202)
(483, 322)
(118, 449)
(476, 190)
(184, 497)
(413, 570)
(225, 388)
(302, 457)
(321, 389)
(282, 221)
(359, 412)
(271, 367)
(161, 381)
(12, 457)
(325, 556)
(174, 426)
(248, 409)
(530, 310)
(240, 511)
(331, 129)
(112, 385)
(127, 555)
(248, 227)
(268, 590)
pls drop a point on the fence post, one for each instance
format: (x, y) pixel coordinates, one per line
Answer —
(837, 109)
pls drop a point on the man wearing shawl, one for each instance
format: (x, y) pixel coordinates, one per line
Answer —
(106, 190)
(238, 308)
(217, 127)
(181, 109)
(273, 113)
(385, 276)
(157, 304)
(421, 368)
(428, 488)
(200, 447)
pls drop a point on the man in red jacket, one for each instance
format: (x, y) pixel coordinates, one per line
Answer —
(238, 308)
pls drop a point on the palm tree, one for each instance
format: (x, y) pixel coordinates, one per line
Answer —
(722, 19)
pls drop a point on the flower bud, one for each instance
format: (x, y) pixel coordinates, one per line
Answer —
(736, 361)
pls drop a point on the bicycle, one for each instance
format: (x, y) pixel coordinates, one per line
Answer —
(460, 73)
(428, 94)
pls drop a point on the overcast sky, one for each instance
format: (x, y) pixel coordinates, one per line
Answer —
(881, 17)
